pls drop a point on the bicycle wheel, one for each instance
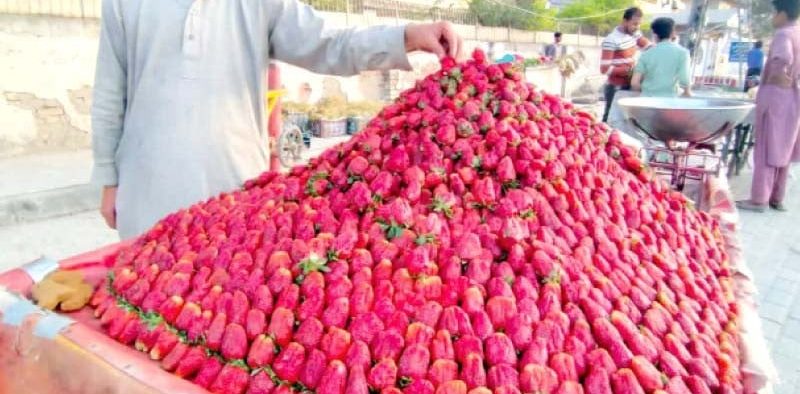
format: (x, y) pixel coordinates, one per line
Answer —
(290, 146)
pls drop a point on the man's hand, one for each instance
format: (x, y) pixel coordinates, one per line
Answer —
(108, 206)
(439, 38)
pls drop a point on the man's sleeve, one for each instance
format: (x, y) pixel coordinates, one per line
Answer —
(109, 96)
(298, 35)
(641, 41)
(606, 55)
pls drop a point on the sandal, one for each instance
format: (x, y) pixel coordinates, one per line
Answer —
(778, 206)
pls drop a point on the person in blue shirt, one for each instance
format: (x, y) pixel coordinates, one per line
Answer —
(755, 61)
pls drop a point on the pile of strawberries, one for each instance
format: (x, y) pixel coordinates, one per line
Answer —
(477, 237)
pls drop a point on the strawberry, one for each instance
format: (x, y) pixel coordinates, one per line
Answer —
(443, 371)
(383, 374)
(314, 368)
(170, 362)
(699, 369)
(262, 351)
(697, 385)
(357, 381)
(418, 334)
(234, 342)
(468, 246)
(467, 345)
(309, 333)
(261, 383)
(171, 308)
(676, 385)
(387, 344)
(624, 381)
(481, 324)
(289, 362)
(420, 386)
(569, 387)
(500, 310)
(564, 365)
(502, 375)
(335, 343)
(500, 350)
(255, 323)
(363, 327)
(429, 313)
(536, 378)
(281, 325)
(597, 381)
(231, 379)
(358, 355)
(208, 372)
(163, 345)
(452, 387)
(647, 374)
(519, 330)
(472, 371)
(442, 346)
(148, 337)
(414, 361)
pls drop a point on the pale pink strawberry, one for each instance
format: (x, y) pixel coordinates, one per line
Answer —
(383, 374)
(442, 346)
(442, 371)
(472, 371)
(452, 387)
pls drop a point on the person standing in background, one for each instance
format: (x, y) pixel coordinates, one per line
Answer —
(619, 48)
(664, 68)
(555, 50)
(755, 61)
(777, 113)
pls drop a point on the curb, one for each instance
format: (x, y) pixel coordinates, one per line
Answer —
(46, 204)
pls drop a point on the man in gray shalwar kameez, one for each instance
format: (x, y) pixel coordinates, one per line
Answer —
(179, 97)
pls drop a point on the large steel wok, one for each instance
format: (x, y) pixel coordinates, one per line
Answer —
(692, 120)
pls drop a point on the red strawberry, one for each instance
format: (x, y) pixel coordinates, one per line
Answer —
(281, 325)
(443, 371)
(502, 375)
(231, 379)
(597, 381)
(537, 378)
(468, 246)
(357, 381)
(420, 386)
(309, 333)
(500, 310)
(361, 299)
(208, 372)
(262, 351)
(383, 374)
(170, 308)
(564, 365)
(624, 381)
(500, 350)
(289, 362)
(170, 362)
(414, 362)
(697, 385)
(467, 345)
(358, 355)
(387, 344)
(569, 387)
(234, 342)
(649, 377)
(442, 346)
(337, 312)
(289, 297)
(164, 344)
(261, 383)
(255, 323)
(637, 343)
(419, 334)
(147, 338)
(452, 387)
(336, 343)
(429, 313)
(314, 368)
(699, 369)
(472, 371)
(677, 386)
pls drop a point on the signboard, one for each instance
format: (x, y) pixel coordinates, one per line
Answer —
(739, 51)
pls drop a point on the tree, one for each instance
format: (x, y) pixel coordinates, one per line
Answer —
(761, 22)
(603, 22)
(518, 14)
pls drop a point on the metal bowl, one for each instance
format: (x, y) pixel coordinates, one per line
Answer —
(693, 120)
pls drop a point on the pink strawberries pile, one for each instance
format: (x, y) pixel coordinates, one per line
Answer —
(478, 237)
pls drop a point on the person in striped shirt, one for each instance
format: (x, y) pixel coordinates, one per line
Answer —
(619, 48)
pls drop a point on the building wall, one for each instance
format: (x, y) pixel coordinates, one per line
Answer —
(47, 68)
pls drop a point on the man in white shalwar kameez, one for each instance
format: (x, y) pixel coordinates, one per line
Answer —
(179, 98)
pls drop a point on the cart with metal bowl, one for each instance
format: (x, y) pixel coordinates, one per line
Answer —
(687, 129)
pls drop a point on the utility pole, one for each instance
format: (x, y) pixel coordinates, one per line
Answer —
(697, 21)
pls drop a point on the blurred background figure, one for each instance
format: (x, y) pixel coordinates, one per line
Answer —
(618, 50)
(777, 113)
(755, 61)
(665, 67)
(555, 50)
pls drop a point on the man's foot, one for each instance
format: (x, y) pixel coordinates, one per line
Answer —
(778, 206)
(748, 205)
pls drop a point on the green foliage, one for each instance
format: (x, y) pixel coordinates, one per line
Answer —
(761, 24)
(489, 13)
(600, 24)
